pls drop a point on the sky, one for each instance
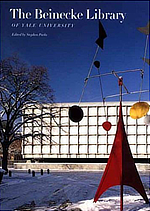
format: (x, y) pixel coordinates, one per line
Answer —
(68, 52)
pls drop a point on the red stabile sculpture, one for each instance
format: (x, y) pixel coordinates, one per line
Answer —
(120, 169)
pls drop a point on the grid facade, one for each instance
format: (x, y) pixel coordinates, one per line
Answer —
(86, 139)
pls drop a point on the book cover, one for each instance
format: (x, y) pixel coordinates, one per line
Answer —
(85, 47)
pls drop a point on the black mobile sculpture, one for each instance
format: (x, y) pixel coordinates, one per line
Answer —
(125, 172)
(139, 109)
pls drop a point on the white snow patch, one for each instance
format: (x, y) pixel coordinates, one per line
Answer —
(2, 170)
(66, 191)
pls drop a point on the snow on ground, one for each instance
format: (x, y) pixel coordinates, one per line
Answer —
(70, 191)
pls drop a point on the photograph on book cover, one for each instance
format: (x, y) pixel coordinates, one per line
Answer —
(74, 105)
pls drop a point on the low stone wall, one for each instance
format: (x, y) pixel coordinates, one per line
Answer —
(72, 166)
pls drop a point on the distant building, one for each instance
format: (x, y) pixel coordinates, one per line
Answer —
(86, 139)
(15, 149)
(14, 152)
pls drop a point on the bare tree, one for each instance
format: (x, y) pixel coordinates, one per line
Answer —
(21, 87)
